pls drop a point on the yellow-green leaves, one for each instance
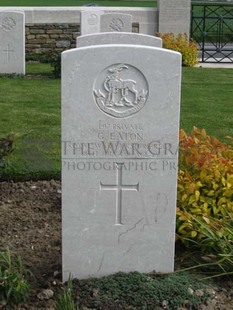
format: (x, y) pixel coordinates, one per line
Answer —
(187, 47)
(205, 185)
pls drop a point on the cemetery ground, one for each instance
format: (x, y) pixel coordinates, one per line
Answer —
(30, 199)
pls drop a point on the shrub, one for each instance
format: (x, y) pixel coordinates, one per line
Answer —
(54, 59)
(205, 191)
(182, 44)
(14, 287)
(42, 58)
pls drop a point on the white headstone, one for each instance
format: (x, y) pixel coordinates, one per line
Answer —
(120, 123)
(118, 38)
(90, 21)
(12, 46)
(118, 22)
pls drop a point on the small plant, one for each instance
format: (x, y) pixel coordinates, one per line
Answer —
(14, 287)
(54, 59)
(181, 43)
(6, 147)
(214, 252)
(65, 299)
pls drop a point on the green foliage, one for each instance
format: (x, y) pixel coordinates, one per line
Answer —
(38, 58)
(12, 76)
(54, 59)
(205, 196)
(6, 147)
(140, 291)
(182, 44)
(65, 299)
(216, 251)
(14, 287)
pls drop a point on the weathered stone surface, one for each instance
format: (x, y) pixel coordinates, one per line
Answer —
(36, 31)
(49, 37)
(54, 31)
(63, 43)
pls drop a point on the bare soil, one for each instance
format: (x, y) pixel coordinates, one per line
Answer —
(30, 222)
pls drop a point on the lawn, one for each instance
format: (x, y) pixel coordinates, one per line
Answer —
(147, 3)
(30, 108)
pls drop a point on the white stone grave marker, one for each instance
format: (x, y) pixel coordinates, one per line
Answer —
(120, 123)
(118, 38)
(12, 46)
(90, 21)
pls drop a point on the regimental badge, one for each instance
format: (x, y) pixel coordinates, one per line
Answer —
(121, 90)
(8, 24)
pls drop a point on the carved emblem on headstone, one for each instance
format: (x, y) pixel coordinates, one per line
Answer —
(116, 24)
(8, 24)
(121, 90)
(93, 19)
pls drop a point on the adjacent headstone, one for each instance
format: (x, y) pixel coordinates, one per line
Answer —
(118, 22)
(90, 21)
(12, 46)
(174, 16)
(118, 38)
(120, 122)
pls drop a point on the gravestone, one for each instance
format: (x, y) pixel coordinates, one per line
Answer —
(12, 38)
(118, 22)
(118, 38)
(120, 123)
(174, 16)
(90, 21)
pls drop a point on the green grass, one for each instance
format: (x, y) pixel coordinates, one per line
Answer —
(35, 69)
(148, 3)
(30, 107)
(207, 101)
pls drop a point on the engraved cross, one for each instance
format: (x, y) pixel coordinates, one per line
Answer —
(7, 51)
(119, 187)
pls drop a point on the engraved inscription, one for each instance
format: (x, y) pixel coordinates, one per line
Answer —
(8, 24)
(121, 90)
(119, 187)
(116, 24)
(93, 19)
(8, 51)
